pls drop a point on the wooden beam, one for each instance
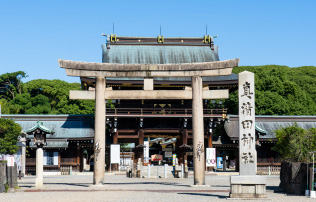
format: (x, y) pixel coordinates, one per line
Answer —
(128, 136)
(161, 131)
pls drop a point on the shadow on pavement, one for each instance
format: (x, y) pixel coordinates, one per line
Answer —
(155, 183)
(70, 184)
(208, 195)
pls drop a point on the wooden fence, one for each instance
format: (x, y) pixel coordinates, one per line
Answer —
(268, 170)
(65, 170)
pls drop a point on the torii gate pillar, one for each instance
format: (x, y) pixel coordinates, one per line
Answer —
(198, 131)
(99, 137)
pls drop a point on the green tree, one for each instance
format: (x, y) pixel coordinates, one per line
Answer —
(9, 132)
(294, 143)
(57, 93)
(280, 90)
(11, 84)
(23, 101)
(9, 108)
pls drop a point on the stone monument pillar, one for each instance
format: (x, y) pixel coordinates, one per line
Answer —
(198, 131)
(247, 184)
(247, 146)
(39, 167)
(99, 132)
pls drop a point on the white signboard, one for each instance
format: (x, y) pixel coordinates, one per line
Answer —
(210, 157)
(115, 153)
(146, 151)
(10, 160)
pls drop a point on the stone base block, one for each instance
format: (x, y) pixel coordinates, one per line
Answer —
(2, 188)
(98, 186)
(39, 182)
(248, 186)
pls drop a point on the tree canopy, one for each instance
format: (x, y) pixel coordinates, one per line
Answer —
(280, 90)
(11, 84)
(9, 132)
(294, 143)
(46, 97)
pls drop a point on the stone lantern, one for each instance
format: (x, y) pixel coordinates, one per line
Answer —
(39, 131)
(39, 138)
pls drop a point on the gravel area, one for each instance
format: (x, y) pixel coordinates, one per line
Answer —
(121, 188)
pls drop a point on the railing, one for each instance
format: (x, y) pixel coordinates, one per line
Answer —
(65, 170)
(268, 170)
(160, 111)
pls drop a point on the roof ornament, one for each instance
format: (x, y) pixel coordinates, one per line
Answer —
(113, 38)
(209, 39)
(160, 39)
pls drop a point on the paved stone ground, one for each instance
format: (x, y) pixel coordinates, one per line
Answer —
(121, 188)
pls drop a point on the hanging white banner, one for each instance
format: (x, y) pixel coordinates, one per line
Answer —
(115, 153)
(210, 157)
(146, 152)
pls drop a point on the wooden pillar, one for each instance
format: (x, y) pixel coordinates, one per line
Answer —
(210, 140)
(115, 138)
(141, 142)
(115, 141)
(59, 159)
(81, 160)
(185, 141)
(78, 158)
(178, 151)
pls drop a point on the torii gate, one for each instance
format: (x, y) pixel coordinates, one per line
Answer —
(147, 71)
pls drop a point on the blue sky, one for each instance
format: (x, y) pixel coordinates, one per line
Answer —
(34, 34)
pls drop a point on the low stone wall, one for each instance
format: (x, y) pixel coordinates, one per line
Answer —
(3, 177)
(293, 177)
(8, 176)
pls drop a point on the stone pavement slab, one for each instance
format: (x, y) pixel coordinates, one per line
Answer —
(121, 188)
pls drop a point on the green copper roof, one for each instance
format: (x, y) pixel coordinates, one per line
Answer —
(260, 130)
(150, 54)
(39, 125)
(64, 126)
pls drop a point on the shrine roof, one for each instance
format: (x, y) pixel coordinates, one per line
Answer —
(148, 50)
(64, 126)
(269, 124)
(39, 125)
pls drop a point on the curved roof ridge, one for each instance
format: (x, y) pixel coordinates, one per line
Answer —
(40, 125)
